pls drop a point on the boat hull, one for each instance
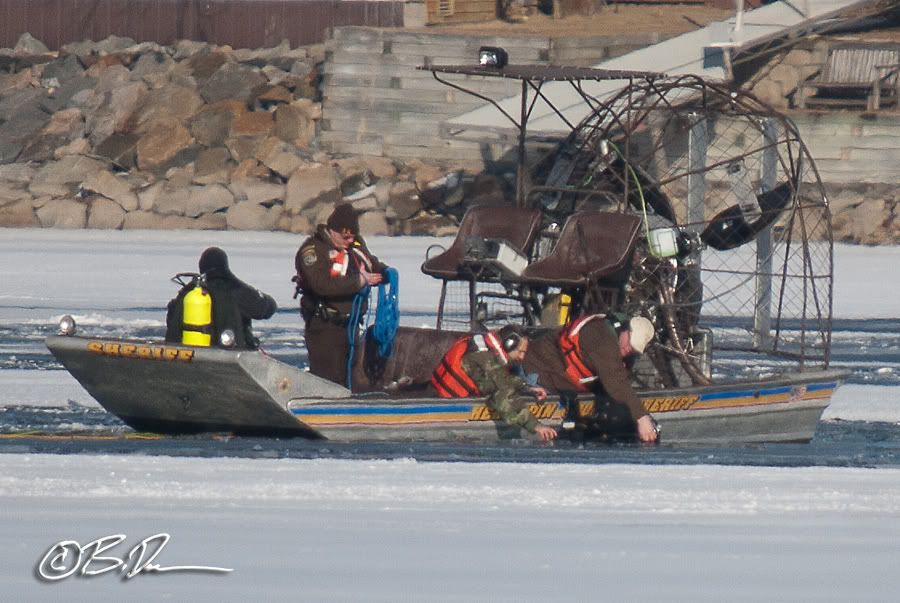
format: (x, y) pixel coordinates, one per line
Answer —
(172, 388)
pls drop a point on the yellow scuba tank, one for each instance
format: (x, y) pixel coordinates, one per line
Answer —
(197, 320)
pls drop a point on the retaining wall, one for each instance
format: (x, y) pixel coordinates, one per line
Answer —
(376, 101)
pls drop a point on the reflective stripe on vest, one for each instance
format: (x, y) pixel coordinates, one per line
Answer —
(339, 264)
(361, 257)
(450, 380)
(573, 358)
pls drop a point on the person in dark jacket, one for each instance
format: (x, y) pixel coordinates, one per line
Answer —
(235, 304)
(332, 266)
(479, 365)
(590, 354)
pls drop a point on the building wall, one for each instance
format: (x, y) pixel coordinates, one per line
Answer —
(376, 101)
(460, 11)
(238, 23)
(851, 147)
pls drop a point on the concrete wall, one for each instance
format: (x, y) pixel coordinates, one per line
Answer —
(375, 101)
(853, 147)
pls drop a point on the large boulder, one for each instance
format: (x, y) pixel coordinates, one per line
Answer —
(373, 223)
(257, 191)
(278, 157)
(208, 199)
(60, 70)
(20, 173)
(294, 126)
(29, 45)
(151, 64)
(114, 113)
(310, 186)
(21, 118)
(161, 142)
(212, 166)
(252, 123)
(232, 81)
(212, 125)
(18, 214)
(121, 149)
(112, 187)
(10, 193)
(172, 201)
(173, 102)
(404, 201)
(72, 169)
(63, 213)
(104, 213)
(252, 216)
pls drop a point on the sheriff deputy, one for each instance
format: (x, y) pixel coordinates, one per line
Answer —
(333, 265)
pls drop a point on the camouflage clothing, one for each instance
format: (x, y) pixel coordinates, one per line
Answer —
(502, 389)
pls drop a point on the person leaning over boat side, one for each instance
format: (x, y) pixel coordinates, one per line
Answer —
(480, 365)
(234, 303)
(590, 354)
(332, 266)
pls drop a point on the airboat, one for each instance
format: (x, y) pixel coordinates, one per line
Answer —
(676, 198)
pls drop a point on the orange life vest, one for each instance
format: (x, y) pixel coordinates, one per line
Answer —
(450, 379)
(573, 358)
(340, 260)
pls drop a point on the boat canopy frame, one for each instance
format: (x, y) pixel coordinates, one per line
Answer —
(726, 174)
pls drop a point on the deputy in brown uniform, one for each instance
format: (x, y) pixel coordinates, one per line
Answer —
(589, 353)
(479, 365)
(332, 266)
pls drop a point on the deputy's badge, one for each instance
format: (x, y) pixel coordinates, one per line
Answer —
(309, 256)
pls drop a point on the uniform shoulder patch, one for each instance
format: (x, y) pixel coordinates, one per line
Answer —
(309, 255)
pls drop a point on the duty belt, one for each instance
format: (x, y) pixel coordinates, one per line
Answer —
(329, 314)
(324, 313)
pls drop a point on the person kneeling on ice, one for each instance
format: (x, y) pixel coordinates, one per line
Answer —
(479, 365)
(593, 353)
(216, 301)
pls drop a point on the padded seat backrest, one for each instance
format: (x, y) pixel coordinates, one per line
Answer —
(517, 226)
(592, 245)
(417, 352)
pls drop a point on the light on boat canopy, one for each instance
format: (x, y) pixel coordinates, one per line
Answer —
(67, 325)
(492, 56)
(226, 338)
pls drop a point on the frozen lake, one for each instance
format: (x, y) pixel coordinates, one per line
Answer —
(391, 524)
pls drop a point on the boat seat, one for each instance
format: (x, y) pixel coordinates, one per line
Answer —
(594, 246)
(417, 352)
(517, 226)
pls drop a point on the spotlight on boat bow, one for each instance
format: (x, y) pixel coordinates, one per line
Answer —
(492, 56)
(226, 338)
(67, 326)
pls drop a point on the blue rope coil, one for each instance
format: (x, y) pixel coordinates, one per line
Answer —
(361, 297)
(387, 318)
